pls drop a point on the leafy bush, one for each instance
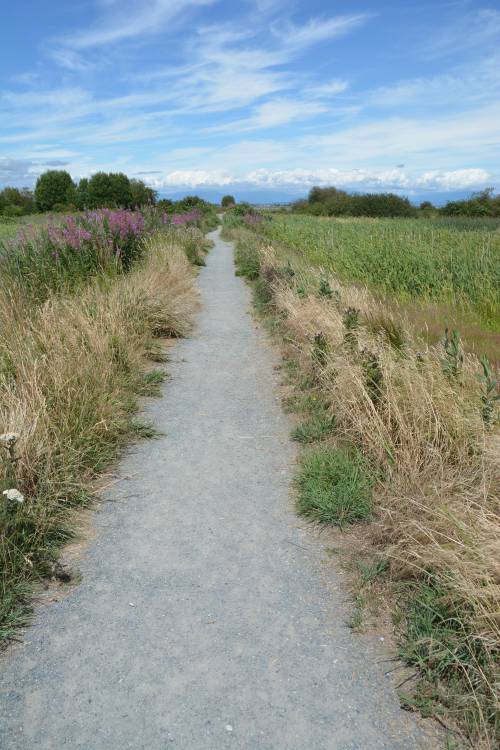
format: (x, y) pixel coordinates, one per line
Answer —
(15, 202)
(227, 201)
(330, 201)
(479, 204)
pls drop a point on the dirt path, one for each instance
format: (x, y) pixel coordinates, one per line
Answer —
(202, 621)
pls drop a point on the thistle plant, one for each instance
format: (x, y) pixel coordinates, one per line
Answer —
(288, 271)
(325, 289)
(350, 320)
(453, 354)
(490, 393)
(373, 374)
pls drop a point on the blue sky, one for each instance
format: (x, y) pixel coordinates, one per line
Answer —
(256, 95)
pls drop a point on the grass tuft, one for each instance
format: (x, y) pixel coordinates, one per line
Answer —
(334, 486)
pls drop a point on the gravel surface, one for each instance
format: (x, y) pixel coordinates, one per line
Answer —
(203, 620)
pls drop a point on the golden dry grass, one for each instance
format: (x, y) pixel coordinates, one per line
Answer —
(69, 372)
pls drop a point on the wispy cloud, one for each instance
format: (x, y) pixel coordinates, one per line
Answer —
(477, 30)
(319, 29)
(272, 114)
(127, 20)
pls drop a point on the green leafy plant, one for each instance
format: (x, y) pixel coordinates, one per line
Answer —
(373, 374)
(350, 320)
(325, 289)
(490, 394)
(453, 354)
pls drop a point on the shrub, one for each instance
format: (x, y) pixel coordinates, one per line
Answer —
(334, 486)
(13, 198)
(330, 201)
(227, 201)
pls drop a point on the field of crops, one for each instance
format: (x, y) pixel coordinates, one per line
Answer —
(443, 262)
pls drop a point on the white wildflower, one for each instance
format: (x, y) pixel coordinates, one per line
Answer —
(9, 439)
(14, 496)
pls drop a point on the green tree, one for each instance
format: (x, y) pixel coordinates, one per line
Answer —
(22, 199)
(227, 200)
(82, 194)
(142, 195)
(110, 190)
(121, 192)
(54, 187)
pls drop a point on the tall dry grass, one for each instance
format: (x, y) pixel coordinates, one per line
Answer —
(437, 522)
(70, 371)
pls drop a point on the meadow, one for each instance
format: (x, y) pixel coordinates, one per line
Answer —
(401, 434)
(85, 301)
(442, 272)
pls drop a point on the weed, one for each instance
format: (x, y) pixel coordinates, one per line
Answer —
(452, 665)
(373, 374)
(320, 349)
(334, 486)
(313, 429)
(325, 289)
(350, 319)
(453, 359)
(490, 394)
(151, 382)
(143, 429)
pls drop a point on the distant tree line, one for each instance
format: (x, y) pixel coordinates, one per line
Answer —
(330, 201)
(483, 203)
(55, 190)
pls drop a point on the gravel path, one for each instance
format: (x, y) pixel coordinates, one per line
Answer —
(202, 621)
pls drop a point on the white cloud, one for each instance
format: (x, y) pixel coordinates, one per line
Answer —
(394, 179)
(319, 29)
(462, 84)
(271, 114)
(327, 90)
(128, 20)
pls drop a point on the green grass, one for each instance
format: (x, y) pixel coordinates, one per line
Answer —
(334, 486)
(451, 666)
(247, 260)
(406, 258)
(9, 229)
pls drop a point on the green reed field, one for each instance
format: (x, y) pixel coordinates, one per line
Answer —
(410, 259)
